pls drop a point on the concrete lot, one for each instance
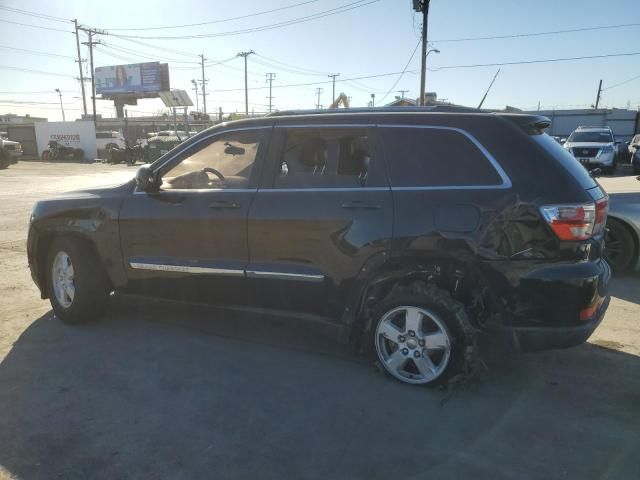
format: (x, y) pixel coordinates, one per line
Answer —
(164, 391)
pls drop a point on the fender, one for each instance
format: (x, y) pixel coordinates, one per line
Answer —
(91, 216)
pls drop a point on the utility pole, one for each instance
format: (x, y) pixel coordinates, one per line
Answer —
(402, 92)
(333, 91)
(91, 43)
(318, 92)
(195, 86)
(423, 6)
(84, 99)
(598, 96)
(270, 77)
(246, 89)
(204, 86)
(61, 107)
(373, 100)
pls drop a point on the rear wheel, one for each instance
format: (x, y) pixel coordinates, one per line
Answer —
(77, 292)
(421, 334)
(619, 247)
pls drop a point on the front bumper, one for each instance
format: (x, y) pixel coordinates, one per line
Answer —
(533, 339)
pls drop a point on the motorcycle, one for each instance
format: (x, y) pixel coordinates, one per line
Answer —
(57, 151)
(129, 155)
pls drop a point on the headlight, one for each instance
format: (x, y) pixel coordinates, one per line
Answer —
(606, 149)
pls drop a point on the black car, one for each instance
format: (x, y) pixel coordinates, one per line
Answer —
(408, 231)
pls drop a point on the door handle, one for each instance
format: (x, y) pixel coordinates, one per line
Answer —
(224, 204)
(359, 205)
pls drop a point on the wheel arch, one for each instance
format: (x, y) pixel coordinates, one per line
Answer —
(463, 279)
(635, 234)
(46, 240)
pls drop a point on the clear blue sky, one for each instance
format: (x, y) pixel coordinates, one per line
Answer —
(374, 39)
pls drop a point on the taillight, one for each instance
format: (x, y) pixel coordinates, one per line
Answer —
(571, 222)
(602, 208)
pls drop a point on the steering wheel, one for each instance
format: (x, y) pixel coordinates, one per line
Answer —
(215, 172)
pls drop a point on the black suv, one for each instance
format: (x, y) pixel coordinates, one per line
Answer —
(409, 231)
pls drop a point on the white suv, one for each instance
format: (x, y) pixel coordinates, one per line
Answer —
(594, 147)
(109, 139)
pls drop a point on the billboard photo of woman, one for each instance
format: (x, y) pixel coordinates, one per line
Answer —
(122, 81)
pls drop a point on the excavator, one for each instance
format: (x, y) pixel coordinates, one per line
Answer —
(341, 99)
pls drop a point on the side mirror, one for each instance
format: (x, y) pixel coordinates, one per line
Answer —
(145, 179)
(596, 172)
(563, 141)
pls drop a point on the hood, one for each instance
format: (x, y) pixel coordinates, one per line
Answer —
(8, 142)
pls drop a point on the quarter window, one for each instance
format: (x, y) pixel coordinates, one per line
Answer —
(224, 163)
(435, 157)
(324, 158)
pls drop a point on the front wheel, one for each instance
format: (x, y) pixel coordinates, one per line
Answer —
(421, 334)
(76, 291)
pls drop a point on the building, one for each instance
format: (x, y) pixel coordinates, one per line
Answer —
(13, 119)
(623, 123)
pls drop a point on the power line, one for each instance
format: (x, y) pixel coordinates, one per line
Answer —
(326, 13)
(401, 73)
(536, 34)
(32, 102)
(35, 26)
(36, 93)
(35, 52)
(621, 83)
(293, 67)
(155, 47)
(217, 21)
(153, 56)
(379, 75)
(34, 14)
(526, 62)
(7, 67)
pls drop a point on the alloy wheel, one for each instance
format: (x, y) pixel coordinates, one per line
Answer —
(413, 344)
(63, 279)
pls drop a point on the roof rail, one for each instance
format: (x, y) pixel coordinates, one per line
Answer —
(432, 108)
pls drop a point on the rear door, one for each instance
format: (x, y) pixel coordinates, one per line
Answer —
(323, 208)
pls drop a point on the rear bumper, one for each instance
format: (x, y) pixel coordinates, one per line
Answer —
(533, 339)
(550, 306)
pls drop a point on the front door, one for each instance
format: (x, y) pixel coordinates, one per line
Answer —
(323, 208)
(188, 240)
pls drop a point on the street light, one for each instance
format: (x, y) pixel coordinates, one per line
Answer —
(195, 86)
(61, 107)
(434, 50)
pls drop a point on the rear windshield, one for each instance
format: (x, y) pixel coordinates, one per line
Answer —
(595, 137)
(565, 159)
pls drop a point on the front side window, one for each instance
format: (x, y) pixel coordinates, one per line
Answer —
(224, 163)
(324, 158)
(435, 157)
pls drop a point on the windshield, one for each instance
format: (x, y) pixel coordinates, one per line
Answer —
(591, 137)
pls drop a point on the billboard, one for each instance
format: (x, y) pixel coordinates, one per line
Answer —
(132, 78)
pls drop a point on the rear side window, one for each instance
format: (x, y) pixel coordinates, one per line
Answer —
(565, 159)
(324, 158)
(435, 157)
